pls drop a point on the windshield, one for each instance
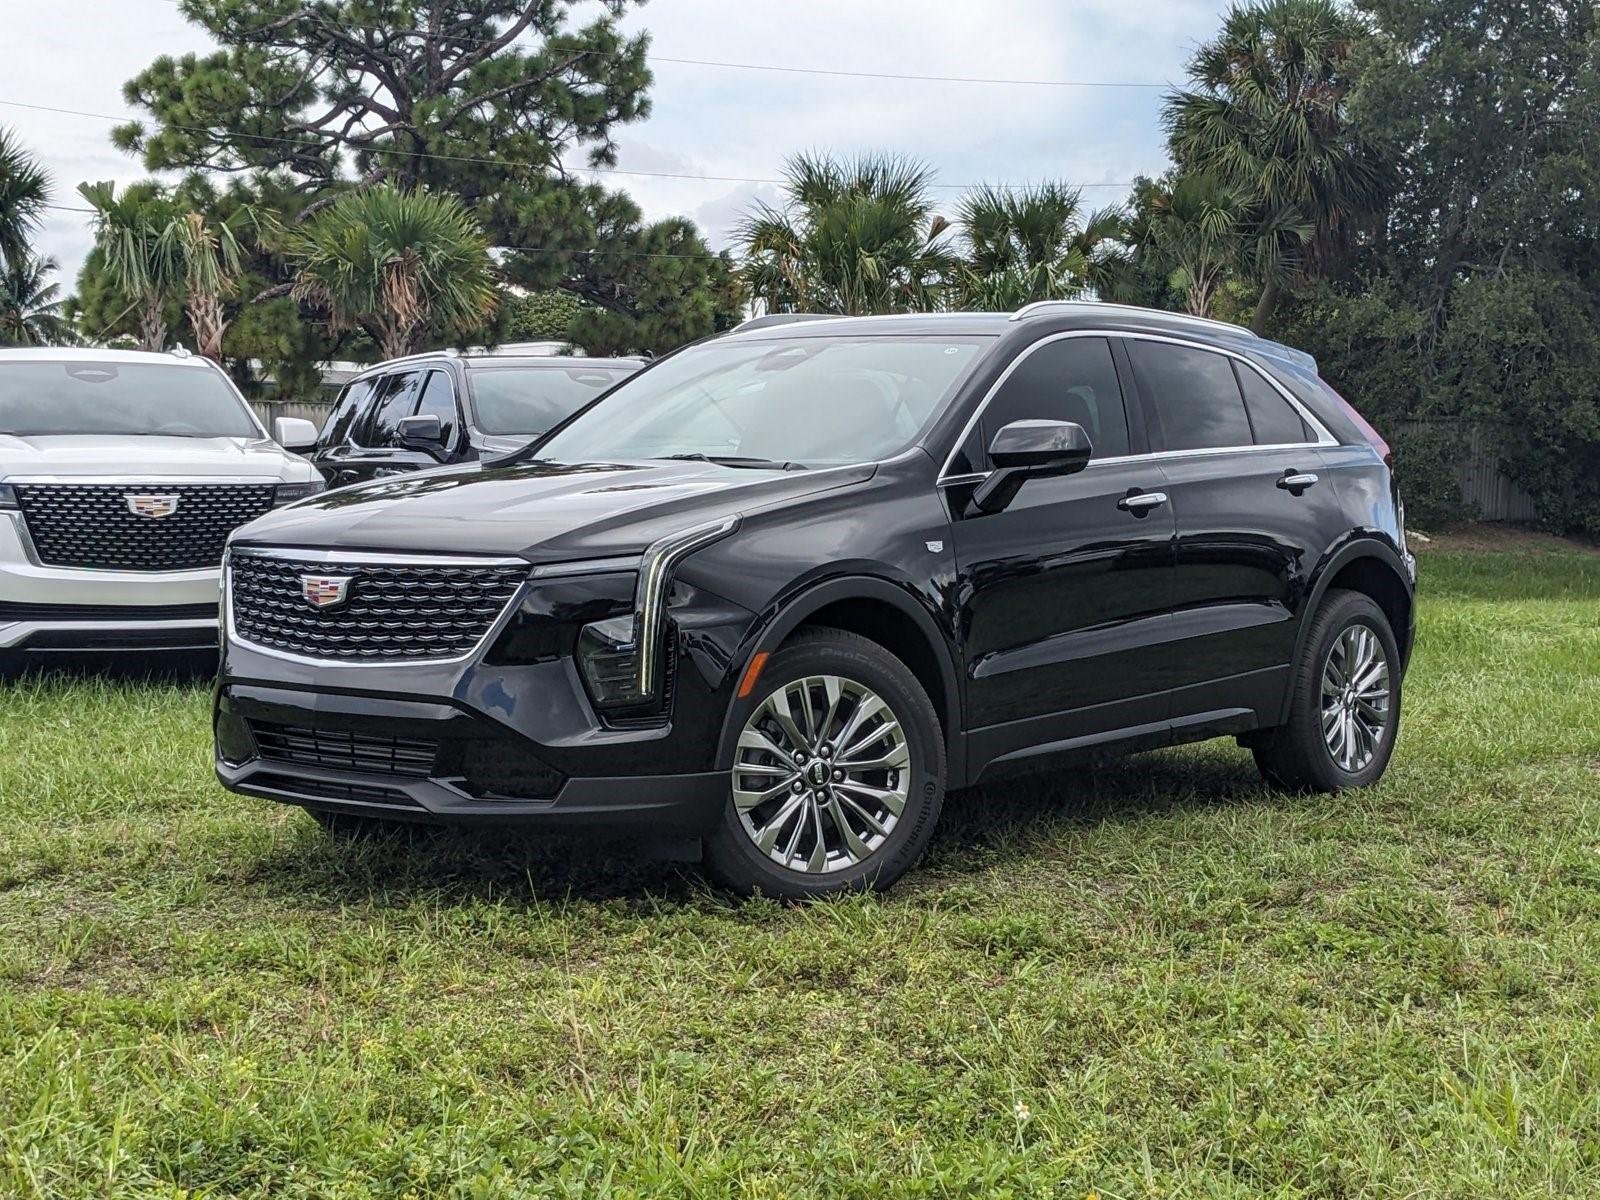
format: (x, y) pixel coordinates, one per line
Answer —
(42, 398)
(811, 401)
(523, 401)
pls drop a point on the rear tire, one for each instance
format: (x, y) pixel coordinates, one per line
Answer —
(838, 736)
(1344, 712)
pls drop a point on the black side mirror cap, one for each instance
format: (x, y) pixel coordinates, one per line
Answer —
(1026, 450)
(420, 433)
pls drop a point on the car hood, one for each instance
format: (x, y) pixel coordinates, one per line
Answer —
(155, 457)
(544, 512)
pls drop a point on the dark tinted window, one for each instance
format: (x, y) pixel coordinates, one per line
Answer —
(1272, 418)
(352, 403)
(172, 399)
(1073, 379)
(1195, 396)
(397, 397)
(523, 401)
(439, 400)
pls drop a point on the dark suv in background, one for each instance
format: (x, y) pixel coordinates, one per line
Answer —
(784, 587)
(445, 408)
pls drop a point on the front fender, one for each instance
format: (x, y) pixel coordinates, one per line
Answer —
(792, 610)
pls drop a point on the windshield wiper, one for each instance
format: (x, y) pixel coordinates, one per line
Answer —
(733, 460)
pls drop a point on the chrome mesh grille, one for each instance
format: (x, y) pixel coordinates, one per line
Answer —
(399, 612)
(90, 524)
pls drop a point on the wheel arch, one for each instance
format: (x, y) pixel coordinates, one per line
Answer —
(879, 610)
(1373, 568)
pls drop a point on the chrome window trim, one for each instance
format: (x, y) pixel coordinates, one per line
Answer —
(460, 433)
(374, 559)
(1324, 438)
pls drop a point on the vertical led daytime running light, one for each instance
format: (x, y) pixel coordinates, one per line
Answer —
(650, 599)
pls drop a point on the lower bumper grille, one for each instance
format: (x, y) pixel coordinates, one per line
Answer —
(107, 612)
(409, 758)
(291, 786)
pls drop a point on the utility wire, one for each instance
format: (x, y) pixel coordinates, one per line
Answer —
(355, 27)
(500, 162)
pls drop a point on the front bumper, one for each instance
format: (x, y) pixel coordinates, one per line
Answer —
(438, 762)
(498, 737)
(46, 608)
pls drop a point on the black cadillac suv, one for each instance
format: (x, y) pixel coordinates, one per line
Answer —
(783, 588)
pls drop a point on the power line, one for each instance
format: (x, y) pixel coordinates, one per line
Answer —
(354, 27)
(499, 162)
(1051, 83)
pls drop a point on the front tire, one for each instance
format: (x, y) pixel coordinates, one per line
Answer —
(838, 773)
(1345, 710)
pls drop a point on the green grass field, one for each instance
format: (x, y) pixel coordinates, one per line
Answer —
(1149, 979)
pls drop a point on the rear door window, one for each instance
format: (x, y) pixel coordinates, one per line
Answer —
(1193, 394)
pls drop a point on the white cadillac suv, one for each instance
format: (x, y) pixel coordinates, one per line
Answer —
(122, 473)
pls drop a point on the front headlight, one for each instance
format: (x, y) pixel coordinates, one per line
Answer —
(621, 657)
(288, 493)
(8, 498)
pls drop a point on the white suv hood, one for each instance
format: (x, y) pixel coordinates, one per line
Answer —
(83, 455)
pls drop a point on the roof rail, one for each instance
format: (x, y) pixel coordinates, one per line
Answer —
(1029, 310)
(782, 319)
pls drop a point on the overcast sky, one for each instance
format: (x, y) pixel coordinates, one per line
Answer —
(718, 121)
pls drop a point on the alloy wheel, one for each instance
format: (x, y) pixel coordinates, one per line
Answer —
(822, 774)
(1355, 698)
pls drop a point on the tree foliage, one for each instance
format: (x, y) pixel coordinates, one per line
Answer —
(540, 316)
(1267, 119)
(1037, 244)
(490, 101)
(24, 191)
(854, 236)
(395, 263)
(1478, 295)
(130, 235)
(31, 308)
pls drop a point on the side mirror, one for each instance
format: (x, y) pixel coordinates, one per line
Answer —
(421, 433)
(1026, 450)
(292, 433)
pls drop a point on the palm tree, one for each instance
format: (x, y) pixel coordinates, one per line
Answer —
(209, 259)
(130, 230)
(1268, 116)
(30, 305)
(24, 190)
(1037, 244)
(854, 237)
(1194, 231)
(394, 263)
